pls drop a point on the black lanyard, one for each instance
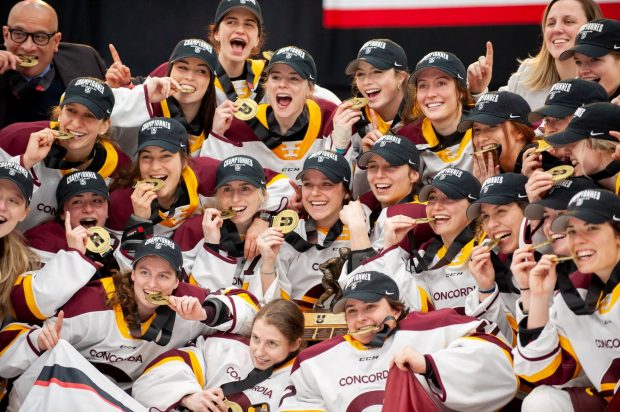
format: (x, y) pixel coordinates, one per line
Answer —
(459, 243)
(596, 291)
(163, 323)
(255, 377)
(301, 245)
(228, 87)
(230, 241)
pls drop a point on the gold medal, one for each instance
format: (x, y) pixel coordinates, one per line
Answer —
(28, 61)
(558, 259)
(541, 244)
(364, 330)
(232, 406)
(156, 183)
(156, 298)
(267, 54)
(494, 242)
(358, 102)
(543, 146)
(560, 173)
(227, 214)
(424, 220)
(98, 241)
(246, 109)
(486, 148)
(286, 220)
(186, 88)
(63, 135)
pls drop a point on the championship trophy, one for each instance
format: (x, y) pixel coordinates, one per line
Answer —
(321, 323)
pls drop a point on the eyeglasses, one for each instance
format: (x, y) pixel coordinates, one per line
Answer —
(40, 38)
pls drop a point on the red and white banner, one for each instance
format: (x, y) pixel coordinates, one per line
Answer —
(346, 14)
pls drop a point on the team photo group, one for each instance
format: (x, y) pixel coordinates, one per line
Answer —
(225, 233)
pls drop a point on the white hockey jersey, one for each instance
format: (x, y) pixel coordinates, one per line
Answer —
(110, 345)
(341, 374)
(570, 343)
(212, 362)
(287, 157)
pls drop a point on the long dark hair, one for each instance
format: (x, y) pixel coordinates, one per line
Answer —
(208, 103)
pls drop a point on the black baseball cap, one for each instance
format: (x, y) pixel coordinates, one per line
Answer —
(594, 120)
(74, 183)
(381, 53)
(566, 96)
(93, 93)
(163, 132)
(454, 183)
(596, 39)
(499, 190)
(558, 197)
(20, 176)
(495, 108)
(368, 287)
(444, 61)
(197, 48)
(333, 165)
(240, 167)
(298, 59)
(162, 247)
(395, 149)
(227, 5)
(592, 206)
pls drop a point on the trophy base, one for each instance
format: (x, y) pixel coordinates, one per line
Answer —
(322, 325)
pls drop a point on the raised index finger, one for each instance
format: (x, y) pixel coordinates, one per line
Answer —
(68, 227)
(114, 53)
(61, 316)
(489, 55)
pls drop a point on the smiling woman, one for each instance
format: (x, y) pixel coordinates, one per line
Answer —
(77, 139)
(283, 132)
(556, 334)
(226, 371)
(15, 196)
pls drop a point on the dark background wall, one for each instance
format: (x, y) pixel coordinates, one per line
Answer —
(145, 31)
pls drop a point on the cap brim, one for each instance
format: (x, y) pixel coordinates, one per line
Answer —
(445, 188)
(170, 262)
(364, 296)
(536, 211)
(333, 177)
(393, 160)
(483, 118)
(414, 76)
(164, 144)
(378, 63)
(106, 195)
(232, 178)
(90, 105)
(560, 223)
(589, 50)
(473, 211)
(564, 137)
(19, 186)
(259, 18)
(186, 55)
(551, 110)
(299, 69)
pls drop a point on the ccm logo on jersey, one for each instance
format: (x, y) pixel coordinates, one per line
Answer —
(368, 358)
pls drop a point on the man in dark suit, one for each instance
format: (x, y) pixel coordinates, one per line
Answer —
(28, 93)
